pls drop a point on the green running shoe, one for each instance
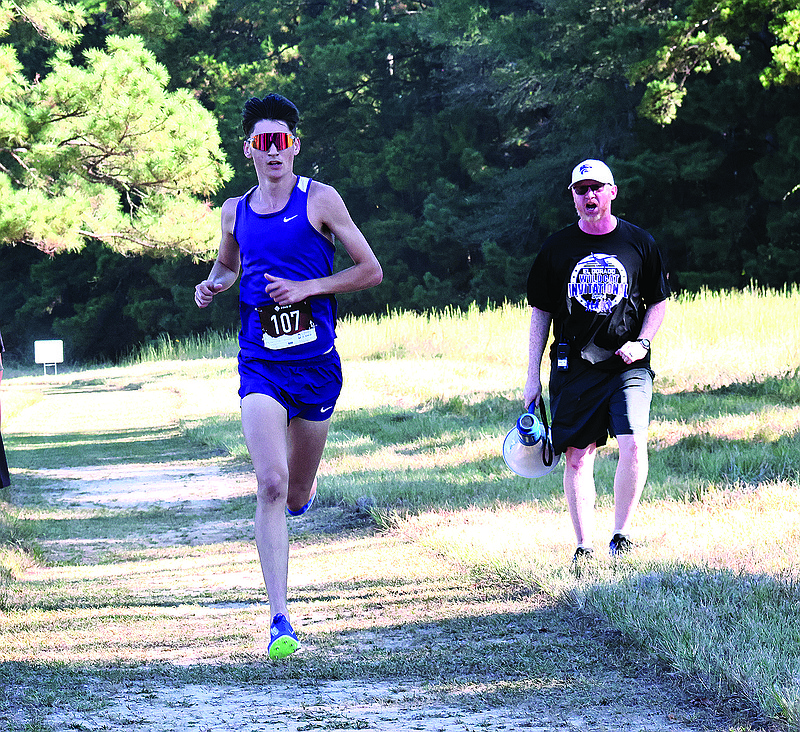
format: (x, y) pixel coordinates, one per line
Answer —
(283, 641)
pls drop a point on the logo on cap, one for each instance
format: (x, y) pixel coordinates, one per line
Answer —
(592, 170)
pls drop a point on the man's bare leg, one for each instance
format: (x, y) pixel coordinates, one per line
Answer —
(579, 490)
(306, 444)
(286, 460)
(629, 480)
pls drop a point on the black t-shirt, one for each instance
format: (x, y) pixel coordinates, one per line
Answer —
(597, 289)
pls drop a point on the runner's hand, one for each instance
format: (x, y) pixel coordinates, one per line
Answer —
(286, 292)
(205, 291)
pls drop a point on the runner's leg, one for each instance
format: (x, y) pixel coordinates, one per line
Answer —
(306, 443)
(265, 433)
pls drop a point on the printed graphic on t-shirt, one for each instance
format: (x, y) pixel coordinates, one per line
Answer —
(598, 282)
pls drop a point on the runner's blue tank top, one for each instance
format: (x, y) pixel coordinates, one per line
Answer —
(284, 244)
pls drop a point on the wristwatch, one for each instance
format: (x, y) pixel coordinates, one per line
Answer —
(645, 343)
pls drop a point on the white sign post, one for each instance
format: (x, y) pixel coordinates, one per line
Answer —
(49, 353)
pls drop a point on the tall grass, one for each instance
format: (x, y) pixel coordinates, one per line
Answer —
(733, 633)
(708, 339)
(715, 339)
(212, 344)
(490, 335)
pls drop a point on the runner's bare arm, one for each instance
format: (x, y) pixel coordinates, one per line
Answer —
(329, 215)
(226, 266)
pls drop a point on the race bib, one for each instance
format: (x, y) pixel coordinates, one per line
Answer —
(284, 326)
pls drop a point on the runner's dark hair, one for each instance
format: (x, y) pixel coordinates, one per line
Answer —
(272, 106)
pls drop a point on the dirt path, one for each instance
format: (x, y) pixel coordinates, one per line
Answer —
(154, 617)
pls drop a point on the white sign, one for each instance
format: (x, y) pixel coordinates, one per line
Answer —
(48, 352)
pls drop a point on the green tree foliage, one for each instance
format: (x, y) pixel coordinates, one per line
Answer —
(712, 32)
(528, 92)
(733, 65)
(101, 150)
(100, 303)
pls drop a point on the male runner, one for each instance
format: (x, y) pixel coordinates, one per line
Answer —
(281, 234)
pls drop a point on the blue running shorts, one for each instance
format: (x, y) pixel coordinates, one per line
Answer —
(588, 405)
(307, 389)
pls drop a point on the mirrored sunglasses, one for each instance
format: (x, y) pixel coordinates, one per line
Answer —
(265, 140)
(584, 188)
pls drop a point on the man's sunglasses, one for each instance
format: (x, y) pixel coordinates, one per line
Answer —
(583, 189)
(265, 140)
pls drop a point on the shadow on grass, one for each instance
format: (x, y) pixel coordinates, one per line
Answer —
(738, 398)
(738, 434)
(80, 449)
(731, 463)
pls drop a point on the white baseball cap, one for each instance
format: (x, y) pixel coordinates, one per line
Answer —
(592, 170)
